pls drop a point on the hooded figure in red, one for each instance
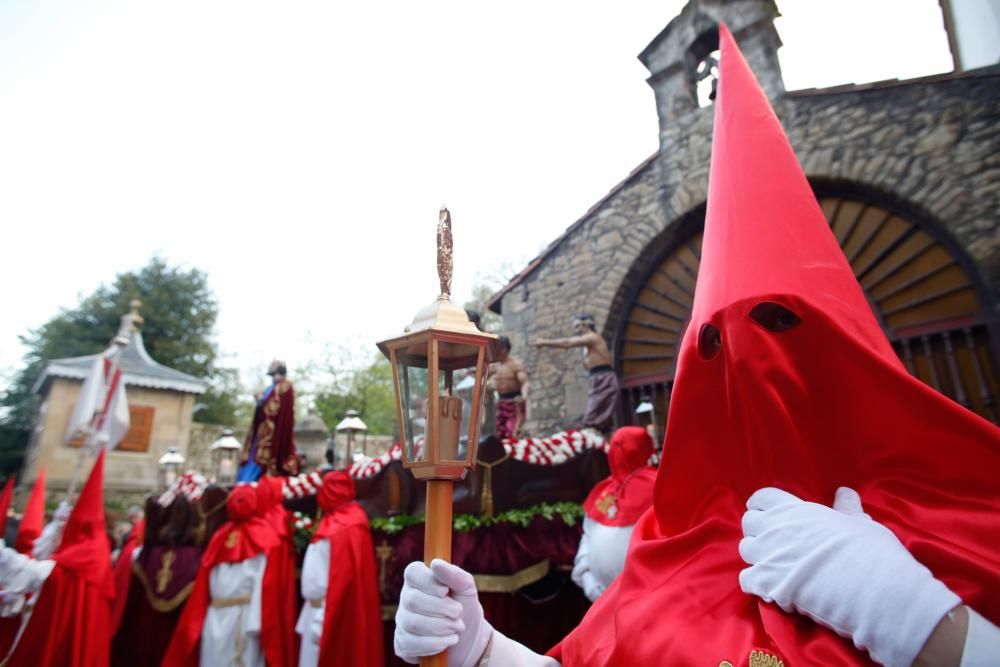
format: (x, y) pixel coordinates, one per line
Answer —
(123, 572)
(785, 380)
(74, 604)
(214, 629)
(28, 530)
(33, 519)
(341, 620)
(280, 597)
(613, 507)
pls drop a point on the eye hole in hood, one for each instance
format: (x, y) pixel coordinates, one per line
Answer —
(774, 317)
(709, 341)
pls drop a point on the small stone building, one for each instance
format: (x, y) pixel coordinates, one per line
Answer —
(161, 404)
(907, 173)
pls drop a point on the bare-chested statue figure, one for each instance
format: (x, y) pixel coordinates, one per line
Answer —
(603, 395)
(511, 383)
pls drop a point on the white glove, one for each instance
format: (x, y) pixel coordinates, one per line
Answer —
(591, 587)
(439, 609)
(843, 570)
(62, 512)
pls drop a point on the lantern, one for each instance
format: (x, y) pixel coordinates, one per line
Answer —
(438, 350)
(225, 457)
(170, 466)
(351, 426)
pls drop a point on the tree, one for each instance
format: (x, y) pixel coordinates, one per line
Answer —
(345, 380)
(180, 312)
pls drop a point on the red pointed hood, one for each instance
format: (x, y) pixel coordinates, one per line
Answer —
(621, 498)
(34, 516)
(784, 379)
(84, 548)
(5, 499)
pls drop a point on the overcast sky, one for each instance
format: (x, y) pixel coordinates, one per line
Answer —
(299, 152)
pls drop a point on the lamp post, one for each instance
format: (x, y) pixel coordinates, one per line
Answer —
(225, 455)
(170, 466)
(351, 425)
(440, 344)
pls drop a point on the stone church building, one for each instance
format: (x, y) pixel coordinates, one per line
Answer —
(907, 173)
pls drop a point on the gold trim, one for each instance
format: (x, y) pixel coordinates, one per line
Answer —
(317, 603)
(158, 604)
(508, 583)
(389, 611)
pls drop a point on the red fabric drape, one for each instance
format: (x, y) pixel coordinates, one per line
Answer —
(622, 497)
(805, 406)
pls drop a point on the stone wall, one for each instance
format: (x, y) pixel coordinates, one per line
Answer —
(932, 145)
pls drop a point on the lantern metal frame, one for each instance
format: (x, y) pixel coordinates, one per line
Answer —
(226, 448)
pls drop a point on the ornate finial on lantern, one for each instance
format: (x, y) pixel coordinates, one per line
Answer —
(446, 252)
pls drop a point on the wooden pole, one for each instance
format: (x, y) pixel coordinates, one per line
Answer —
(437, 540)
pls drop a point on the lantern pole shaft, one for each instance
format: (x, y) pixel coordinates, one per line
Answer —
(437, 540)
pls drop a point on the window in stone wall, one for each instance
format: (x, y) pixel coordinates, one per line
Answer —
(139, 432)
(707, 78)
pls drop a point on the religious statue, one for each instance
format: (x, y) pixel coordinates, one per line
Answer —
(269, 447)
(510, 380)
(603, 395)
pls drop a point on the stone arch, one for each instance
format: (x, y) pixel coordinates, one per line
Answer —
(929, 295)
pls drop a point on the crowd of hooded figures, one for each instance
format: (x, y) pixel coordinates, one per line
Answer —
(815, 504)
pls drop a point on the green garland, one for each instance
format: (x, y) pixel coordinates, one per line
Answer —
(570, 513)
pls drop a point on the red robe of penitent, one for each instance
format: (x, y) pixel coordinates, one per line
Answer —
(621, 498)
(123, 572)
(785, 379)
(71, 623)
(279, 634)
(352, 624)
(245, 536)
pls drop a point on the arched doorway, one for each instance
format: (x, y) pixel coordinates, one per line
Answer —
(925, 294)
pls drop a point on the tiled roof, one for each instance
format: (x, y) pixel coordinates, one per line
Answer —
(138, 370)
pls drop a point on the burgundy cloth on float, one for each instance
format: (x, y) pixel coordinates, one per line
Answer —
(352, 622)
(245, 535)
(33, 519)
(785, 379)
(123, 572)
(621, 498)
(75, 601)
(162, 579)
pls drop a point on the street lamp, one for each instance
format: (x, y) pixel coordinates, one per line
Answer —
(225, 455)
(351, 425)
(438, 347)
(170, 466)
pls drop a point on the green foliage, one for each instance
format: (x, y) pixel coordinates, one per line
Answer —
(568, 513)
(342, 382)
(180, 312)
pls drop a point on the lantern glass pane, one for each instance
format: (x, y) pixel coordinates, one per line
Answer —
(412, 376)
